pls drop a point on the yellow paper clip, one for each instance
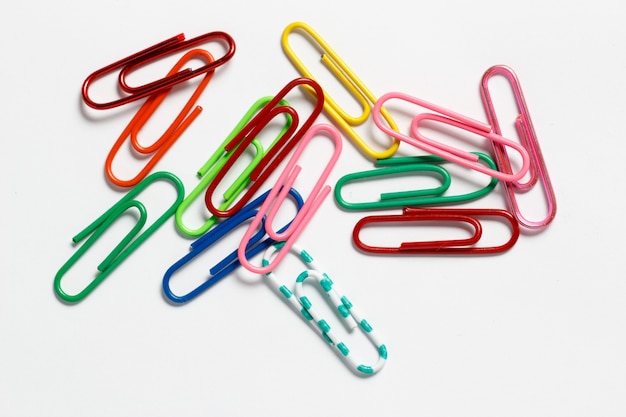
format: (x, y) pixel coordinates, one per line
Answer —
(350, 81)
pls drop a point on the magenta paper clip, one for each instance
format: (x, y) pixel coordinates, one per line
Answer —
(528, 139)
(466, 159)
(278, 194)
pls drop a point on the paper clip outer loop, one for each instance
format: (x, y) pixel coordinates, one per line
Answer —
(528, 138)
(341, 305)
(350, 81)
(170, 136)
(130, 242)
(143, 57)
(450, 247)
(420, 197)
(216, 162)
(275, 155)
(277, 195)
(230, 263)
(452, 118)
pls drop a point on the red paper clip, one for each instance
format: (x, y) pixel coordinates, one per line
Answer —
(146, 56)
(276, 154)
(453, 246)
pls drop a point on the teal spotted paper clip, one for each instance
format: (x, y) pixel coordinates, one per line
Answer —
(341, 305)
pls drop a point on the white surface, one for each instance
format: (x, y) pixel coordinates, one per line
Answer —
(538, 331)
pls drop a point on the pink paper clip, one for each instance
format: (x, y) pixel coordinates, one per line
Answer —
(278, 194)
(452, 118)
(528, 139)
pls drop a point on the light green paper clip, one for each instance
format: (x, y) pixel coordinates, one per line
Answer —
(209, 170)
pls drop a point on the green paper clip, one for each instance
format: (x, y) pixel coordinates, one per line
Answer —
(408, 164)
(215, 163)
(128, 244)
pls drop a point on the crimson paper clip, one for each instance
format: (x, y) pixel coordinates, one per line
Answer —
(272, 157)
(443, 217)
(146, 56)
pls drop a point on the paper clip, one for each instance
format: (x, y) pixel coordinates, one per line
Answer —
(528, 138)
(443, 217)
(173, 132)
(146, 56)
(127, 245)
(277, 195)
(451, 118)
(350, 81)
(216, 162)
(275, 155)
(418, 197)
(230, 262)
(341, 305)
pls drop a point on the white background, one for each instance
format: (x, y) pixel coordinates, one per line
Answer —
(537, 331)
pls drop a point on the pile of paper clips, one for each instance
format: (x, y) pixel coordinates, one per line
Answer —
(249, 200)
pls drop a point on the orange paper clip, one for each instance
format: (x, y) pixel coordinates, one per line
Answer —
(444, 217)
(173, 132)
(146, 56)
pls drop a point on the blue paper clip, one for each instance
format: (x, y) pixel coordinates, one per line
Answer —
(230, 262)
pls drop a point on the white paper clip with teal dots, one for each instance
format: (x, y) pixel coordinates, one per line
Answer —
(342, 306)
